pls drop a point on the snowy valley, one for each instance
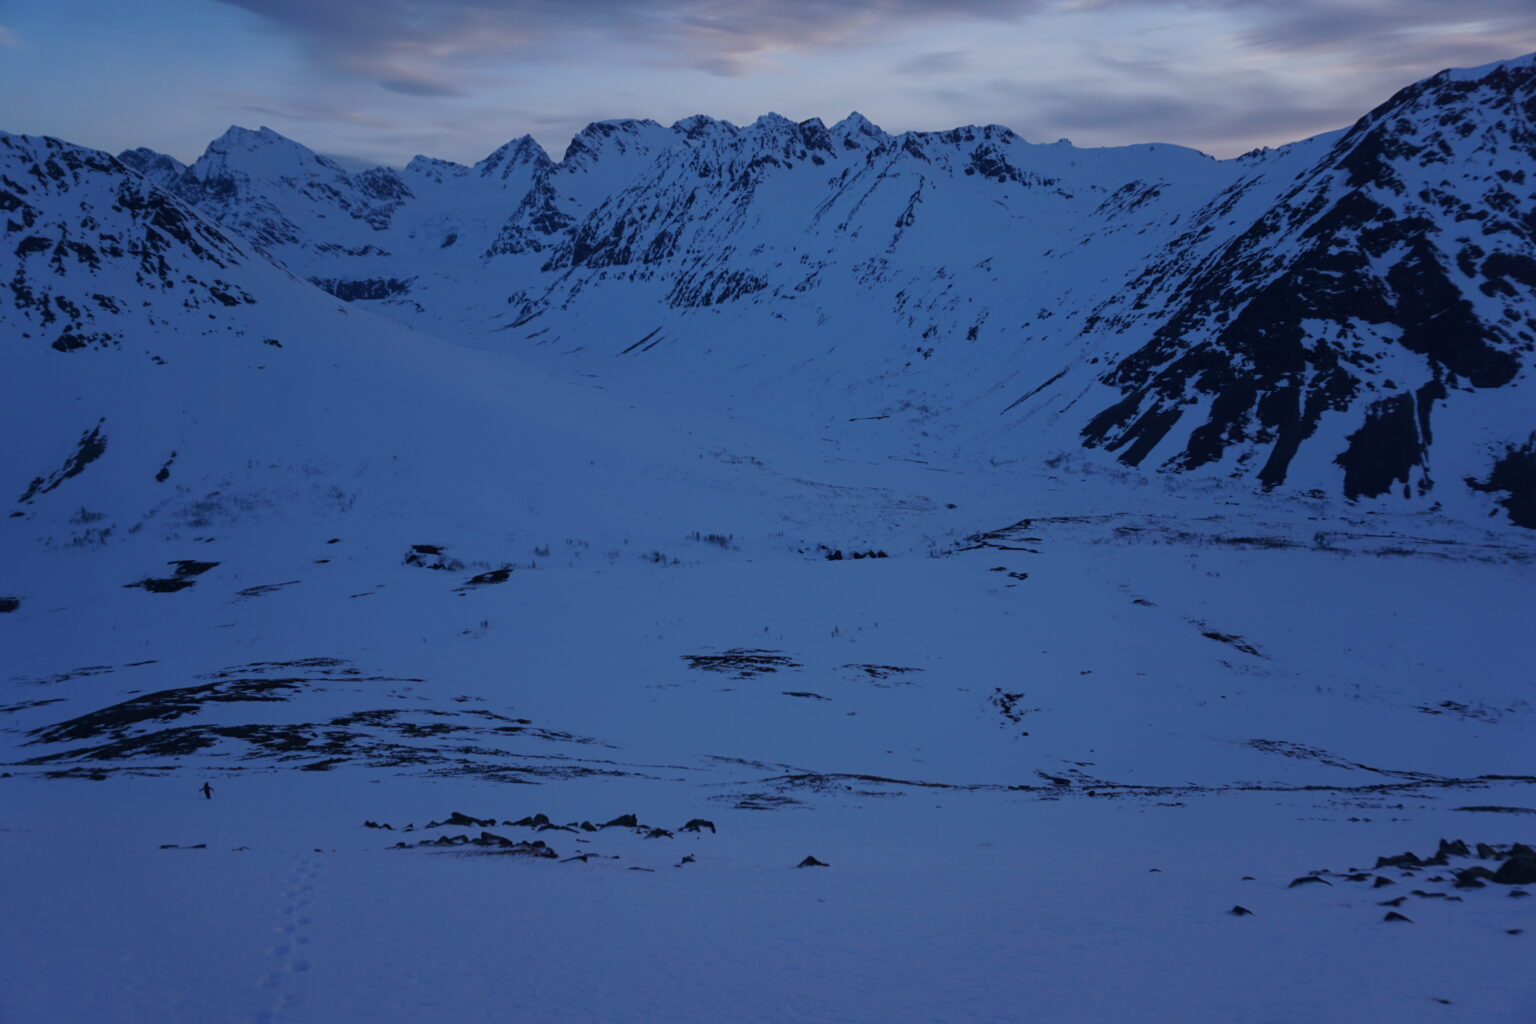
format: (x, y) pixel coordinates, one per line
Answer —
(775, 572)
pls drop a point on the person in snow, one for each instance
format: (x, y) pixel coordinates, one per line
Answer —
(207, 791)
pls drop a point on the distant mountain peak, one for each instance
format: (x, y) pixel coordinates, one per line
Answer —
(700, 125)
(856, 131)
(158, 168)
(628, 124)
(855, 122)
(621, 137)
(260, 154)
(511, 158)
(237, 135)
(434, 168)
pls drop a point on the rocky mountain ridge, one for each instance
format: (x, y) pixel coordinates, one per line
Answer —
(1351, 314)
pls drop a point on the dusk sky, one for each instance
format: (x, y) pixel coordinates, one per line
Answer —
(382, 80)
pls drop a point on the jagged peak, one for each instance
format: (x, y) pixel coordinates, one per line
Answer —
(772, 121)
(1524, 62)
(630, 125)
(700, 125)
(1511, 79)
(237, 136)
(857, 124)
(969, 133)
(145, 155)
(262, 152)
(520, 152)
(160, 168)
(434, 167)
(621, 135)
(34, 148)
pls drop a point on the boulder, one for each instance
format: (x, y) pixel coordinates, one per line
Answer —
(1308, 880)
(465, 821)
(1452, 848)
(533, 821)
(1402, 860)
(1472, 878)
(1517, 871)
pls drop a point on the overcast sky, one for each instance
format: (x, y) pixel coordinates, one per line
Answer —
(382, 80)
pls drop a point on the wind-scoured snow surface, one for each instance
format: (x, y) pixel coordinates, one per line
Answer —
(1098, 568)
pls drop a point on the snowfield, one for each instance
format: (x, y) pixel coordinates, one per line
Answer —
(682, 608)
(1039, 773)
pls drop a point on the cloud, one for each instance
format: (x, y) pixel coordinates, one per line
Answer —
(1392, 30)
(9, 39)
(1229, 75)
(409, 84)
(389, 78)
(415, 47)
(1124, 101)
(299, 110)
(938, 62)
(1213, 118)
(454, 48)
(1386, 34)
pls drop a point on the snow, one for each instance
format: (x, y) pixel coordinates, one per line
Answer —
(524, 540)
(1004, 922)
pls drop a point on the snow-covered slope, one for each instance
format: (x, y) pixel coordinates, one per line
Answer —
(1349, 313)
(164, 377)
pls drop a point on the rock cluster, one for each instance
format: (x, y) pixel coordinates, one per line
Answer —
(1517, 863)
(539, 822)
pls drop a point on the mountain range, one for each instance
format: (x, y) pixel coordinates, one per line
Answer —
(1351, 313)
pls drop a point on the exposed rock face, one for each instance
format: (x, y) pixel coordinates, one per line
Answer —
(76, 219)
(1395, 275)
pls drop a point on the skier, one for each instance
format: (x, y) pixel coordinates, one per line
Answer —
(207, 791)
